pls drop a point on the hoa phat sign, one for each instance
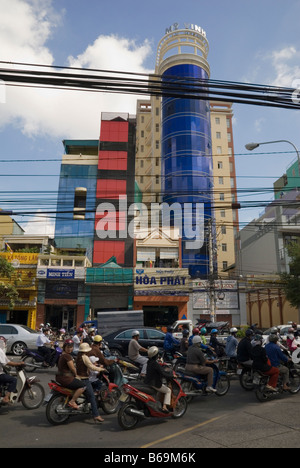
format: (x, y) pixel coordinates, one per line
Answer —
(161, 281)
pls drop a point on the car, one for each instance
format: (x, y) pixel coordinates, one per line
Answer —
(119, 340)
(19, 337)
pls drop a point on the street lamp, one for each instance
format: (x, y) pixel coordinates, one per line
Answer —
(252, 146)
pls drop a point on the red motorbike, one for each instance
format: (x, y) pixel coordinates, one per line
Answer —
(58, 411)
(139, 402)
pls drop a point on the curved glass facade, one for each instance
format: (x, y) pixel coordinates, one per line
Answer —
(187, 170)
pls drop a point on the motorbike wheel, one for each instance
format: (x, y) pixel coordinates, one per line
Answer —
(223, 385)
(33, 396)
(125, 419)
(111, 402)
(261, 394)
(29, 360)
(186, 388)
(246, 380)
(180, 408)
(51, 411)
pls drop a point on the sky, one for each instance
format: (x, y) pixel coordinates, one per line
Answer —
(252, 42)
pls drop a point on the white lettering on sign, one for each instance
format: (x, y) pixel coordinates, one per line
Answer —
(190, 26)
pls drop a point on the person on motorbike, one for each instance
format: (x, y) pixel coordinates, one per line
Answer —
(197, 363)
(184, 343)
(67, 374)
(170, 343)
(134, 349)
(291, 340)
(78, 339)
(195, 332)
(244, 349)
(43, 344)
(155, 374)
(215, 344)
(96, 351)
(262, 363)
(6, 379)
(276, 357)
(84, 366)
(232, 344)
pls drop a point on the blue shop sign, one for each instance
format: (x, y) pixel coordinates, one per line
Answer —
(60, 274)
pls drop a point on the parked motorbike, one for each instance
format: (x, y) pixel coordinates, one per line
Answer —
(260, 381)
(29, 391)
(58, 411)
(139, 402)
(195, 385)
(34, 360)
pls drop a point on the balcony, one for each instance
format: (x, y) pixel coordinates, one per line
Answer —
(68, 267)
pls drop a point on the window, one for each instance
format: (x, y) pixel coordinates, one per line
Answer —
(127, 335)
(8, 330)
(222, 196)
(229, 137)
(223, 230)
(218, 135)
(219, 149)
(225, 265)
(218, 120)
(220, 165)
(221, 181)
(223, 214)
(224, 247)
(142, 163)
(80, 203)
(155, 335)
(157, 127)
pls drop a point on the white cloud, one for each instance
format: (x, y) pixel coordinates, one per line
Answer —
(25, 28)
(40, 225)
(285, 63)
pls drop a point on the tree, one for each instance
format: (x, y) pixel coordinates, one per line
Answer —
(291, 280)
(8, 290)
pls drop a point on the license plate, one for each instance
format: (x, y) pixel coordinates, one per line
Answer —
(256, 380)
(48, 397)
(123, 398)
(239, 371)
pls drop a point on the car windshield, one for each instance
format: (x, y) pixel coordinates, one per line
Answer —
(28, 329)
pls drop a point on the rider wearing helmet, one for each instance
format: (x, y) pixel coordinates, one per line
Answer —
(155, 374)
(134, 349)
(215, 344)
(244, 349)
(195, 332)
(170, 343)
(232, 343)
(96, 351)
(197, 363)
(276, 357)
(6, 379)
(78, 339)
(184, 343)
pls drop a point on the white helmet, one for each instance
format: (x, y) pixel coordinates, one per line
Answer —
(135, 333)
(197, 339)
(233, 330)
(153, 351)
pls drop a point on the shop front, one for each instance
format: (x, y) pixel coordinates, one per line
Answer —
(162, 293)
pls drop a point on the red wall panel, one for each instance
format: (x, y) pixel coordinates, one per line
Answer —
(104, 250)
(111, 189)
(113, 160)
(114, 131)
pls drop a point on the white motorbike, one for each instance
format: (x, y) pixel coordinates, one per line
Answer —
(29, 391)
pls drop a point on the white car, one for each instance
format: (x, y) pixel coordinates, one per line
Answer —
(18, 337)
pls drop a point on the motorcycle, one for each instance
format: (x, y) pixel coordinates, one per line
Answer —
(34, 360)
(260, 381)
(195, 385)
(58, 411)
(139, 402)
(246, 375)
(228, 365)
(29, 391)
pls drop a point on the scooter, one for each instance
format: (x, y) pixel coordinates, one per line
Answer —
(58, 411)
(29, 391)
(260, 382)
(195, 385)
(246, 375)
(139, 402)
(34, 360)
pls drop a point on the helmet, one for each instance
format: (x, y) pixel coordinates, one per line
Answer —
(98, 338)
(197, 340)
(185, 332)
(249, 332)
(62, 331)
(84, 348)
(273, 338)
(214, 330)
(233, 330)
(291, 330)
(203, 331)
(135, 333)
(274, 330)
(153, 351)
(170, 328)
(196, 331)
(79, 330)
(93, 359)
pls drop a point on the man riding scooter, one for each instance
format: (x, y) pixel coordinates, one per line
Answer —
(6, 379)
(197, 363)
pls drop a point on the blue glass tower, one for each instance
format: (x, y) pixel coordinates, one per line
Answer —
(187, 169)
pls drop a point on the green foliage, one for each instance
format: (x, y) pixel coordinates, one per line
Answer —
(291, 281)
(8, 290)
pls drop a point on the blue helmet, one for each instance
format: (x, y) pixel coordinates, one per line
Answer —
(214, 330)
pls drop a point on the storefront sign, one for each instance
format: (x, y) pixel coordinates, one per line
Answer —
(60, 274)
(161, 281)
(20, 258)
(225, 293)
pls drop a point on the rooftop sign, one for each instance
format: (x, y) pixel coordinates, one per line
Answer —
(189, 26)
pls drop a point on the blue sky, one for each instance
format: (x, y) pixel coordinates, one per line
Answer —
(255, 42)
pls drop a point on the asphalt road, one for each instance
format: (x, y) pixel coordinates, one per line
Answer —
(236, 420)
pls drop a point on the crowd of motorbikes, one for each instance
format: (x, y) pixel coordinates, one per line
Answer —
(123, 390)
